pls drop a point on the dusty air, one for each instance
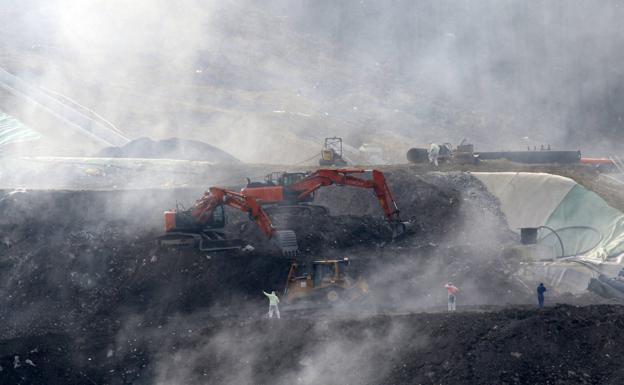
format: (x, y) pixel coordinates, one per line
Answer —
(311, 192)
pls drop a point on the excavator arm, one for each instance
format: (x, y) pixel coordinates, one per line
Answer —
(203, 210)
(238, 201)
(327, 177)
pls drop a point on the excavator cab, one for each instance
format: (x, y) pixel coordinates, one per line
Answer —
(284, 178)
(275, 189)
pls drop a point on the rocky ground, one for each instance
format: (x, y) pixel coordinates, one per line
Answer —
(88, 296)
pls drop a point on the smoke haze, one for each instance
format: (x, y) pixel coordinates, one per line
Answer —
(266, 82)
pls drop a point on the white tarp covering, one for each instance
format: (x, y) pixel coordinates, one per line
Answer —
(527, 199)
(591, 231)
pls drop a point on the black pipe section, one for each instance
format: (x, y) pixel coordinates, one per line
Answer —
(419, 155)
(547, 156)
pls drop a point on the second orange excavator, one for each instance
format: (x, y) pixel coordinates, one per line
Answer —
(293, 192)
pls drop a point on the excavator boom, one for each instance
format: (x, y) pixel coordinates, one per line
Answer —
(342, 176)
(203, 210)
(303, 188)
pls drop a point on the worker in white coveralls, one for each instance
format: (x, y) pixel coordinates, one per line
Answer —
(434, 152)
(273, 301)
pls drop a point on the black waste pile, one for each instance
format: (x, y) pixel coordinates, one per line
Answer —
(559, 345)
(173, 148)
(88, 296)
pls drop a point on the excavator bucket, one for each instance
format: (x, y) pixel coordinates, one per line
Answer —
(287, 241)
(400, 228)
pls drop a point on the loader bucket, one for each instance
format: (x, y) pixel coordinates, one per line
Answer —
(287, 241)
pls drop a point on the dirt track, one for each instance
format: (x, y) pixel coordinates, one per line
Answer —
(88, 297)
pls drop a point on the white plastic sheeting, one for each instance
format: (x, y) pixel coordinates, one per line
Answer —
(591, 231)
(527, 199)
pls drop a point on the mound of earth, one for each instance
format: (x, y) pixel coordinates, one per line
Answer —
(173, 148)
(558, 345)
(88, 296)
(71, 255)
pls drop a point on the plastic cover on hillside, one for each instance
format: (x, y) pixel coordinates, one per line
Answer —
(14, 131)
(586, 224)
(527, 199)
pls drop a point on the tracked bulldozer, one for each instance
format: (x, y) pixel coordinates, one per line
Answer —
(324, 282)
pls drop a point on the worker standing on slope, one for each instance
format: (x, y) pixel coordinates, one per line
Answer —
(540, 294)
(451, 291)
(434, 152)
(273, 301)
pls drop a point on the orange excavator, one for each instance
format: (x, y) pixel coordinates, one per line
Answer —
(200, 225)
(289, 193)
(293, 192)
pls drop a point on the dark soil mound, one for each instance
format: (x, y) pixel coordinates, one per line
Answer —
(89, 297)
(174, 148)
(559, 345)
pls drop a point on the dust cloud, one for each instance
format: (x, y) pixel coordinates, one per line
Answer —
(266, 81)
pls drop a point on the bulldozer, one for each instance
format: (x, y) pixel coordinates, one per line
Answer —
(331, 154)
(326, 282)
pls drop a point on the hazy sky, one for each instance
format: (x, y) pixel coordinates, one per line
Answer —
(257, 78)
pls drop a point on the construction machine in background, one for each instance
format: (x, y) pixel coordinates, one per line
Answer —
(293, 193)
(282, 193)
(462, 154)
(331, 154)
(325, 281)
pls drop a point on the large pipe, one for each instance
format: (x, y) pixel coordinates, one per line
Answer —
(419, 155)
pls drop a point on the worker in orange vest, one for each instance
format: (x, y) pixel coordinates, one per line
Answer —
(451, 291)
